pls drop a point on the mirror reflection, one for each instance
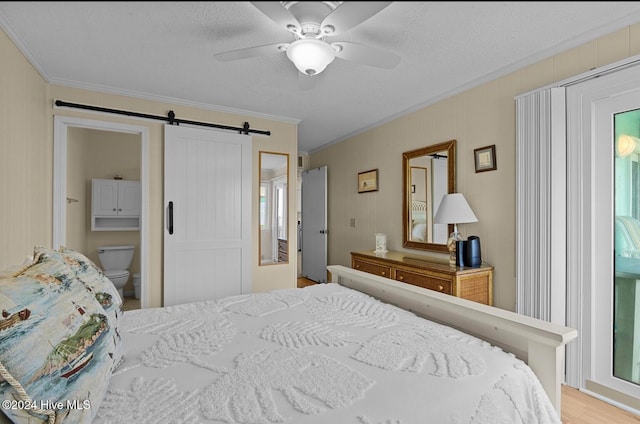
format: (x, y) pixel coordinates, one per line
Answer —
(429, 174)
(274, 194)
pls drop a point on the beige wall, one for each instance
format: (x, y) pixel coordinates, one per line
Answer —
(478, 117)
(25, 157)
(26, 163)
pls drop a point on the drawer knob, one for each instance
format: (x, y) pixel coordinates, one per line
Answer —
(401, 278)
(440, 287)
(383, 273)
(357, 266)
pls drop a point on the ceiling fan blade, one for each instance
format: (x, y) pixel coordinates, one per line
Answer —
(350, 14)
(252, 52)
(366, 55)
(275, 11)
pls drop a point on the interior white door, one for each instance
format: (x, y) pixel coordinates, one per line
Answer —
(207, 235)
(314, 224)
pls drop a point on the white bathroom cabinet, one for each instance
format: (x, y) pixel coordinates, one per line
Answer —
(115, 205)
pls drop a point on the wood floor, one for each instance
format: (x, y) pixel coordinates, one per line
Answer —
(580, 408)
(577, 407)
(303, 282)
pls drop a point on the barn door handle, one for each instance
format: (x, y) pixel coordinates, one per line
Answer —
(171, 217)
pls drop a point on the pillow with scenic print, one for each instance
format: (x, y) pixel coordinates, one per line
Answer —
(56, 346)
(91, 274)
(96, 282)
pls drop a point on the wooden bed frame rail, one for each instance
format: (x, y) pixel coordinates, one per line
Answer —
(540, 344)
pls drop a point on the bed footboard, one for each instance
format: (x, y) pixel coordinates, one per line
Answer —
(539, 343)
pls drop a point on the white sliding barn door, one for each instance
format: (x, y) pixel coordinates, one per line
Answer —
(207, 199)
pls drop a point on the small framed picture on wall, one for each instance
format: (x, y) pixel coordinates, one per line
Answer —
(368, 181)
(485, 158)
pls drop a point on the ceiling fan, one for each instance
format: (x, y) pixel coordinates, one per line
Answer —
(311, 23)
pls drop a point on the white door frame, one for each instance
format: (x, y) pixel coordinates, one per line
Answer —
(604, 240)
(583, 187)
(61, 124)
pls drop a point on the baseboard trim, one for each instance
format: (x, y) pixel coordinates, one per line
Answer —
(612, 396)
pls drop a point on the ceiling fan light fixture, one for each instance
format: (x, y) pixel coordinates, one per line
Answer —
(310, 56)
(626, 145)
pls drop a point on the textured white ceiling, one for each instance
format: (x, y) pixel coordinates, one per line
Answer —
(164, 50)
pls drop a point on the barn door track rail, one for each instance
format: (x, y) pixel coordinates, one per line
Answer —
(170, 118)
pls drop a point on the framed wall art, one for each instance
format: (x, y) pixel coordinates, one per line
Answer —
(485, 158)
(368, 181)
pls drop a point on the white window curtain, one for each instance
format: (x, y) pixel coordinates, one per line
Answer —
(541, 204)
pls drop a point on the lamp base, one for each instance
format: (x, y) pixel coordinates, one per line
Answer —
(451, 245)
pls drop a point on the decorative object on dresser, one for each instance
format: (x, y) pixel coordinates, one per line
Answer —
(468, 283)
(468, 252)
(455, 210)
(381, 243)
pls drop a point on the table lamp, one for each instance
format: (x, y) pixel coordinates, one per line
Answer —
(455, 210)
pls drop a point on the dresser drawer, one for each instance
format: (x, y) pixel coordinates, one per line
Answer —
(425, 280)
(468, 283)
(381, 270)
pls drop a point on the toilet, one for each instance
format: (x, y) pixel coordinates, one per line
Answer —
(116, 261)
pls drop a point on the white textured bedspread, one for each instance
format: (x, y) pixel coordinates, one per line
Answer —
(324, 354)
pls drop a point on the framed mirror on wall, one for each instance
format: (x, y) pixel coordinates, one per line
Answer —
(273, 234)
(428, 174)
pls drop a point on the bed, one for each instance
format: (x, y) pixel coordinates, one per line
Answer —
(352, 351)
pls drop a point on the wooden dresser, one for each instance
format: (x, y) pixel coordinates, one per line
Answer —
(469, 283)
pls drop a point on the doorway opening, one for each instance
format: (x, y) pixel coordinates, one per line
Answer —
(69, 151)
